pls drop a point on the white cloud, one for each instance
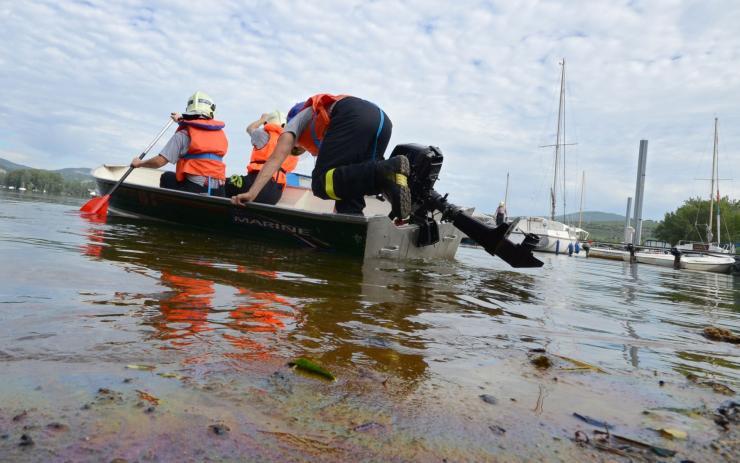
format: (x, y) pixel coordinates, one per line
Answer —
(91, 82)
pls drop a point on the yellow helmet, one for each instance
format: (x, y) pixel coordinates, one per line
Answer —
(277, 117)
(200, 104)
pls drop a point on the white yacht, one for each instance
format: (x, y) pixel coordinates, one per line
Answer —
(555, 236)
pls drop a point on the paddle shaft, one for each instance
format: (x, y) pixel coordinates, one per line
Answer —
(141, 156)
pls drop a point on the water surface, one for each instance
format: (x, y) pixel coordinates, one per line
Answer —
(139, 340)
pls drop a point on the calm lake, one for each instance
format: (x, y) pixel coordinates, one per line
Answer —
(145, 342)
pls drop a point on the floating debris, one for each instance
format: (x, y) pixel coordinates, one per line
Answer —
(727, 413)
(219, 429)
(671, 433)
(171, 375)
(593, 422)
(26, 441)
(311, 367)
(148, 397)
(369, 426)
(716, 387)
(580, 365)
(541, 362)
(57, 426)
(496, 429)
(690, 412)
(720, 334)
(20, 416)
(581, 437)
(134, 366)
(489, 399)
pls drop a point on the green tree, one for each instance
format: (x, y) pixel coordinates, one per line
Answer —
(689, 222)
(45, 181)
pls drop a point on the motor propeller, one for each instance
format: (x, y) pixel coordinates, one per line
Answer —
(426, 162)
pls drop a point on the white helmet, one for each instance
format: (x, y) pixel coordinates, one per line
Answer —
(200, 104)
(501, 203)
(277, 118)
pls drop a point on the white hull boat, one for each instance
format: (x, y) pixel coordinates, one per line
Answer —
(554, 236)
(701, 262)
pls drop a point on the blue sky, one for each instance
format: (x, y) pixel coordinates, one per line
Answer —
(91, 82)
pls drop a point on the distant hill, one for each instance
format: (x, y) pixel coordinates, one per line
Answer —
(8, 166)
(592, 216)
(79, 174)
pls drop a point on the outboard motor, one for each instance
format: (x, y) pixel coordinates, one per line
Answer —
(426, 162)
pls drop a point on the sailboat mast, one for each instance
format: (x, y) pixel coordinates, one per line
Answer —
(506, 194)
(711, 190)
(553, 192)
(716, 171)
(580, 213)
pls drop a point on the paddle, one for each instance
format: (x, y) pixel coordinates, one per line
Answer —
(100, 205)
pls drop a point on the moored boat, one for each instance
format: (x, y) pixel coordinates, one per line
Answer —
(701, 262)
(607, 252)
(554, 236)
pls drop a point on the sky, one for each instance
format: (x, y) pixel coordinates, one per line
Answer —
(91, 82)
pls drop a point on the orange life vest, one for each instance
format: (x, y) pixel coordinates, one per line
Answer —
(260, 155)
(312, 136)
(208, 146)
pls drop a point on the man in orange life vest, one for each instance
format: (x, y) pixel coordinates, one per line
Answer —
(348, 136)
(197, 149)
(264, 133)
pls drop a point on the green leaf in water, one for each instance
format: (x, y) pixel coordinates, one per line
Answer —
(140, 367)
(311, 367)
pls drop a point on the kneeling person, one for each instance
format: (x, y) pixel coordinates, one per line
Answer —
(197, 149)
(264, 134)
(348, 136)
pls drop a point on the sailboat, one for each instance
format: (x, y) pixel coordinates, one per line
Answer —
(717, 247)
(554, 236)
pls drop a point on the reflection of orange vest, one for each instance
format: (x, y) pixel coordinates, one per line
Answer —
(260, 155)
(190, 304)
(312, 136)
(208, 145)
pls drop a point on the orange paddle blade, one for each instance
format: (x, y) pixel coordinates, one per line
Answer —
(96, 206)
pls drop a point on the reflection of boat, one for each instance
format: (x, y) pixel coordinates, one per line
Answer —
(554, 236)
(299, 217)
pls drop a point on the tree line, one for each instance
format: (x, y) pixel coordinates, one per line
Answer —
(45, 181)
(689, 222)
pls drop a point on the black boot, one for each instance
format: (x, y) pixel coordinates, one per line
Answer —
(391, 179)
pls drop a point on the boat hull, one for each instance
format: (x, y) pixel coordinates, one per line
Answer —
(607, 253)
(554, 236)
(361, 236)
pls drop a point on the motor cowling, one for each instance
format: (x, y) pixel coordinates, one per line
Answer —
(426, 164)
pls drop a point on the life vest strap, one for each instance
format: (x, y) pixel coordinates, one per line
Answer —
(314, 135)
(377, 134)
(210, 156)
